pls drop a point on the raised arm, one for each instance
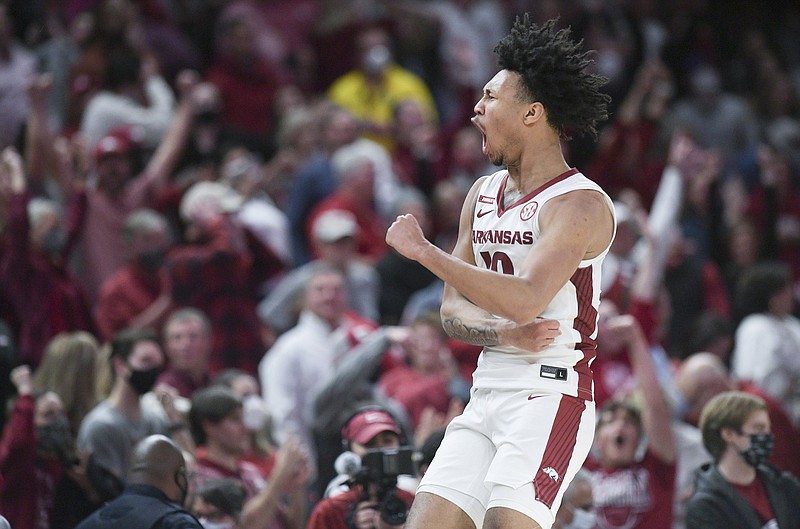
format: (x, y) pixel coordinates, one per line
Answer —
(169, 150)
(656, 416)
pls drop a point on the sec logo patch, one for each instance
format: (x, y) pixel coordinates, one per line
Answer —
(528, 210)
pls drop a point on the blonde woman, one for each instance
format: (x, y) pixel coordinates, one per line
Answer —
(69, 368)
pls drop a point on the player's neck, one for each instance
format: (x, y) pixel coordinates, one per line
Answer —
(526, 179)
(538, 163)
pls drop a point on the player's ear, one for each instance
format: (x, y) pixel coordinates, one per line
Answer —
(533, 113)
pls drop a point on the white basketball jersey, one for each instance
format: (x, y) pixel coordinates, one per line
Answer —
(502, 237)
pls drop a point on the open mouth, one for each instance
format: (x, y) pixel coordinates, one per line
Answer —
(619, 441)
(483, 134)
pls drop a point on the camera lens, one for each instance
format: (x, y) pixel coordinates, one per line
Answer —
(393, 510)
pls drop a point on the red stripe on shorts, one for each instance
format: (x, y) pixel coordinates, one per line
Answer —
(559, 449)
(585, 323)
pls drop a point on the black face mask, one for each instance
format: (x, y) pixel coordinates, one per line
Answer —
(54, 439)
(760, 449)
(143, 380)
(151, 260)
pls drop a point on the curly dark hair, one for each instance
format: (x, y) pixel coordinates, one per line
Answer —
(552, 70)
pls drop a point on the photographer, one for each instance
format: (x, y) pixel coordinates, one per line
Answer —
(372, 465)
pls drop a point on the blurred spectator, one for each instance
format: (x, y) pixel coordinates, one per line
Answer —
(155, 494)
(745, 248)
(219, 503)
(247, 83)
(703, 376)
(467, 32)
(373, 89)
(767, 339)
(334, 234)
(303, 358)
(315, 180)
(112, 429)
(218, 427)
(694, 284)
(417, 151)
(188, 345)
(356, 177)
(577, 506)
(712, 333)
(740, 489)
(8, 360)
(462, 161)
(36, 451)
(400, 278)
(115, 190)
(428, 449)
(283, 31)
(261, 452)
(17, 67)
(220, 270)
(713, 117)
(138, 294)
(132, 94)
(44, 296)
(351, 386)
(96, 31)
(628, 155)
(69, 368)
(633, 458)
(430, 379)
(246, 175)
(773, 203)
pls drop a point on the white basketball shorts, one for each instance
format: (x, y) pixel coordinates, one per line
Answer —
(513, 449)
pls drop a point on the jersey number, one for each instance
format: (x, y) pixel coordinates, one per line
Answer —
(499, 262)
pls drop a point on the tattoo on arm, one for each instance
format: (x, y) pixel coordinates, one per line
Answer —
(455, 328)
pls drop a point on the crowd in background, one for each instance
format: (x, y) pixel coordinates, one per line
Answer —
(193, 201)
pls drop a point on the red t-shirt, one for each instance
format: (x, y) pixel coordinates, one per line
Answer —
(636, 497)
(756, 496)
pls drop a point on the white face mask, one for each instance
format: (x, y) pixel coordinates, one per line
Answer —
(582, 519)
(215, 525)
(254, 413)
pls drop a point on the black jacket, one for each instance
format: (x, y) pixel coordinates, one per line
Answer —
(717, 505)
(140, 507)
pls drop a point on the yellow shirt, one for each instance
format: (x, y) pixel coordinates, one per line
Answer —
(376, 104)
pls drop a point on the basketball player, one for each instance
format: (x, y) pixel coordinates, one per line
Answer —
(531, 240)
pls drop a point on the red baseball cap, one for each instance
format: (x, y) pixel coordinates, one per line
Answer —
(117, 142)
(367, 424)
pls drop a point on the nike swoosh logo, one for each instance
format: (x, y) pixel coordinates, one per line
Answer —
(531, 397)
(484, 212)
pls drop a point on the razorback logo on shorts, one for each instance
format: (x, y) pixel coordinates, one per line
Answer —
(550, 471)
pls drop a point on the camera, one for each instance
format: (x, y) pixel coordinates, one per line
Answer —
(378, 473)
